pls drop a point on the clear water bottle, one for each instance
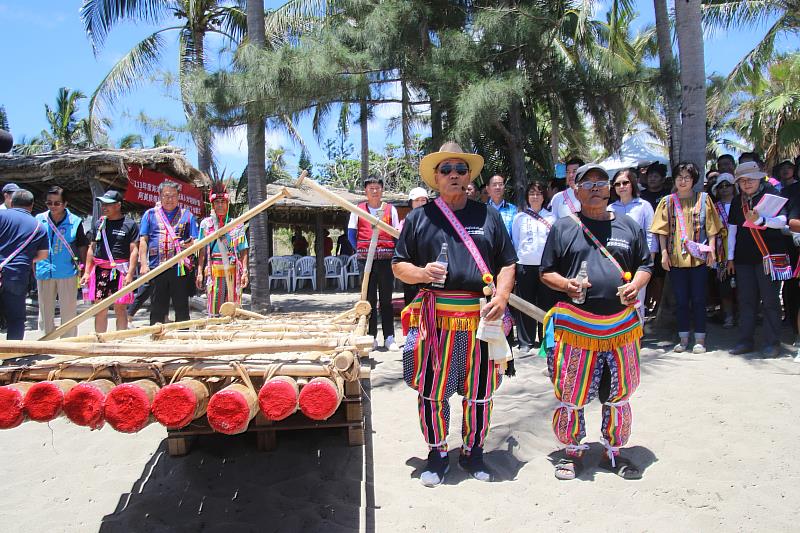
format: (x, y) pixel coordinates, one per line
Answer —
(733, 282)
(442, 260)
(583, 276)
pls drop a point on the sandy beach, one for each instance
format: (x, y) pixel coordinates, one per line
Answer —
(715, 434)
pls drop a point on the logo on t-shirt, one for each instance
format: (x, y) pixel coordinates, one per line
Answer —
(474, 230)
(613, 242)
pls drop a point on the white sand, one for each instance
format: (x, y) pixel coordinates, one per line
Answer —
(716, 433)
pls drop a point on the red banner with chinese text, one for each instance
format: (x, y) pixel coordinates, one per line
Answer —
(143, 189)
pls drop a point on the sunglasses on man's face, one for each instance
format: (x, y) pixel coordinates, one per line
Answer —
(51, 203)
(724, 184)
(447, 168)
(589, 185)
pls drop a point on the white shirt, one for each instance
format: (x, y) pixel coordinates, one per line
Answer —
(559, 206)
(530, 235)
(377, 213)
(642, 212)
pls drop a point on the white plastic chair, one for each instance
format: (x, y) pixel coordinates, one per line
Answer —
(334, 269)
(280, 269)
(351, 270)
(305, 268)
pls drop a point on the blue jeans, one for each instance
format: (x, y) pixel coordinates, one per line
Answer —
(689, 287)
(12, 298)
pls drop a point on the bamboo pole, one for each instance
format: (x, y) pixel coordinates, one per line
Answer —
(230, 309)
(513, 300)
(147, 330)
(13, 349)
(200, 369)
(222, 335)
(198, 245)
(373, 244)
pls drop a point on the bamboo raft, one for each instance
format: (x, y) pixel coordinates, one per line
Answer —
(240, 372)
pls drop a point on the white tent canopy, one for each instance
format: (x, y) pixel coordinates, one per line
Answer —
(637, 148)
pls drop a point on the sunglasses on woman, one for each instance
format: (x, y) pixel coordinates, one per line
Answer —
(461, 169)
(622, 184)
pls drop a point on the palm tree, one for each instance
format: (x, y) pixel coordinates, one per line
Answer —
(669, 79)
(733, 14)
(65, 131)
(256, 176)
(688, 27)
(191, 21)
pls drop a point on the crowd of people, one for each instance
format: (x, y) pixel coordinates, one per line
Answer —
(63, 258)
(590, 250)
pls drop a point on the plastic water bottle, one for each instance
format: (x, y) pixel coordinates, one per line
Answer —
(85, 294)
(733, 282)
(583, 276)
(442, 260)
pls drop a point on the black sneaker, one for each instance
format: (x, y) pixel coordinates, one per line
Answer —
(473, 463)
(435, 469)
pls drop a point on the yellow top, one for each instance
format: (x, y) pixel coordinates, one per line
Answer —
(665, 223)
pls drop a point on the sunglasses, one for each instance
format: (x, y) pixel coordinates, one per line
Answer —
(460, 169)
(589, 185)
(622, 184)
(51, 203)
(724, 184)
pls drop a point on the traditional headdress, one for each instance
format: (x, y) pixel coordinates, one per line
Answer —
(218, 190)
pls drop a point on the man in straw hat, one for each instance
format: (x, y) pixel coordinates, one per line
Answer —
(442, 354)
(592, 334)
(222, 266)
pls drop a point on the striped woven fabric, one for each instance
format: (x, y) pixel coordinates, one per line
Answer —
(455, 310)
(593, 332)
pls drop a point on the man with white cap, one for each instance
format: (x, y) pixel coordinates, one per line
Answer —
(111, 259)
(757, 255)
(442, 354)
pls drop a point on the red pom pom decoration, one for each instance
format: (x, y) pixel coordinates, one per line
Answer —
(278, 398)
(319, 398)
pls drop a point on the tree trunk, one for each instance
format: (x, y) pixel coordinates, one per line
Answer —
(257, 179)
(666, 60)
(202, 135)
(436, 126)
(405, 117)
(364, 123)
(693, 82)
(515, 148)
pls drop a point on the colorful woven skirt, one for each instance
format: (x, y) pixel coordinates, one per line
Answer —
(581, 329)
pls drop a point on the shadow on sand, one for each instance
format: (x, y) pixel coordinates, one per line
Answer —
(640, 456)
(312, 481)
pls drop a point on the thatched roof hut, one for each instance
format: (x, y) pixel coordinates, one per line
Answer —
(86, 173)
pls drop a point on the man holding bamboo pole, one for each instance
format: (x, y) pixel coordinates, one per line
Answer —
(165, 231)
(442, 354)
(223, 265)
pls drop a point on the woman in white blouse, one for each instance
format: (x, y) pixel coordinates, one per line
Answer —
(529, 234)
(625, 201)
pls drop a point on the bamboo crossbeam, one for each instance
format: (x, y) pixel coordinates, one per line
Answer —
(224, 335)
(195, 247)
(200, 369)
(13, 349)
(230, 309)
(274, 327)
(513, 300)
(148, 330)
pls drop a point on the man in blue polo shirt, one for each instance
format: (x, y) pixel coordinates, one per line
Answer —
(17, 239)
(57, 276)
(497, 191)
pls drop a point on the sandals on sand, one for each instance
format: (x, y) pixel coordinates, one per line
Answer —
(568, 468)
(622, 467)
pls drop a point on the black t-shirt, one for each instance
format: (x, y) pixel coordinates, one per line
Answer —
(746, 250)
(654, 197)
(120, 234)
(568, 246)
(426, 228)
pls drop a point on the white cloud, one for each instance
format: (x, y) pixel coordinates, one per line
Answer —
(234, 141)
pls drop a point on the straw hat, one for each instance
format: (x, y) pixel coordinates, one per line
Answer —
(449, 150)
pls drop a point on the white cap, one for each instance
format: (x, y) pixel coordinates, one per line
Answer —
(417, 192)
(722, 177)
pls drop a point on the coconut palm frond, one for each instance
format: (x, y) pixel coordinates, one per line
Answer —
(99, 16)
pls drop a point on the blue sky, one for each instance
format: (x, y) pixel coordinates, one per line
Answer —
(46, 48)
